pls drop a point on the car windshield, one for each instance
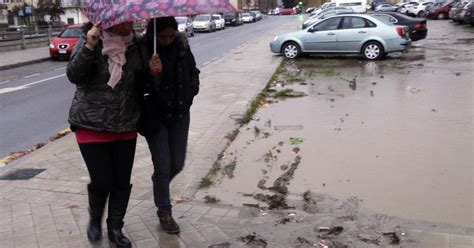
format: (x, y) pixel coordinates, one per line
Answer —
(202, 18)
(71, 33)
(180, 20)
(216, 18)
(245, 14)
(229, 14)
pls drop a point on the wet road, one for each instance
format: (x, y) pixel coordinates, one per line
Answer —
(395, 134)
(35, 99)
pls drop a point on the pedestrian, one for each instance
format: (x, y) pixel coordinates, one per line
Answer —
(104, 115)
(166, 118)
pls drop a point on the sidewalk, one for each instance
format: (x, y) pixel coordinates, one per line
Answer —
(50, 209)
(23, 57)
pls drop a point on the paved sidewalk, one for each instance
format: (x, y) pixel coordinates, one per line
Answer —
(50, 209)
(23, 57)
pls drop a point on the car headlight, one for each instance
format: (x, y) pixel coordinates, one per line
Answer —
(51, 45)
(276, 38)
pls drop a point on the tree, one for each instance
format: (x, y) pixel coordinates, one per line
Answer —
(288, 4)
(50, 7)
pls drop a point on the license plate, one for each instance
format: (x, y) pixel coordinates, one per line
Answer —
(62, 51)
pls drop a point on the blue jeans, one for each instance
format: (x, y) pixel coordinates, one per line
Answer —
(168, 152)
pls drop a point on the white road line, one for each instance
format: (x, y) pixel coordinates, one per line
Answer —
(57, 69)
(195, 45)
(11, 89)
(4, 82)
(31, 75)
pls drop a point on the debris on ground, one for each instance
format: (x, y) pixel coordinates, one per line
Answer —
(305, 241)
(253, 240)
(296, 150)
(393, 238)
(261, 184)
(331, 231)
(324, 243)
(220, 245)
(369, 239)
(309, 204)
(371, 93)
(229, 169)
(283, 221)
(284, 167)
(251, 205)
(434, 110)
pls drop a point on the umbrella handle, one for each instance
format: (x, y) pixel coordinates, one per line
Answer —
(154, 35)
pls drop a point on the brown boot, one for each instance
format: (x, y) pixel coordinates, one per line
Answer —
(167, 222)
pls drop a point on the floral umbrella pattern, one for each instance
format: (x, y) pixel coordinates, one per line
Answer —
(113, 12)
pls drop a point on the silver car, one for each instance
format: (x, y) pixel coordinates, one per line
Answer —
(326, 14)
(386, 8)
(347, 33)
(185, 25)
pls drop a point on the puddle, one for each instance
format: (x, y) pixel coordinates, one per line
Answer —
(399, 142)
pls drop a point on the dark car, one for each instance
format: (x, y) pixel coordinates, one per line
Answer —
(416, 27)
(469, 16)
(62, 46)
(233, 18)
(442, 12)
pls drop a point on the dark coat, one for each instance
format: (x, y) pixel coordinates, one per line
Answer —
(173, 91)
(96, 106)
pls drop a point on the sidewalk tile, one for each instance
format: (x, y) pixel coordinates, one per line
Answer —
(461, 240)
(199, 209)
(433, 239)
(214, 235)
(217, 212)
(139, 235)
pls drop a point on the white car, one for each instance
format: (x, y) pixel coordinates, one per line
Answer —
(219, 20)
(204, 23)
(247, 17)
(185, 25)
(419, 9)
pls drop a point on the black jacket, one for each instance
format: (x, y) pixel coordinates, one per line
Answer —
(96, 106)
(173, 91)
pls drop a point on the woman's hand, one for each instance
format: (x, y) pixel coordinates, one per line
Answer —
(93, 36)
(155, 65)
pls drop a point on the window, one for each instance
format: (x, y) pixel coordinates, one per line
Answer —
(330, 24)
(351, 4)
(386, 18)
(354, 22)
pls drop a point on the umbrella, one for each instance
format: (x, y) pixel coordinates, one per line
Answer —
(113, 12)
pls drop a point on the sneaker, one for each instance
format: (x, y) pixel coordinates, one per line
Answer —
(167, 222)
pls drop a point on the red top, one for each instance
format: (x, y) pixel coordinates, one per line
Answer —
(89, 136)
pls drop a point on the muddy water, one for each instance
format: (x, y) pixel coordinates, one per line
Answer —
(396, 134)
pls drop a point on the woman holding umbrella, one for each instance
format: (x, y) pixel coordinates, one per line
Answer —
(166, 115)
(104, 115)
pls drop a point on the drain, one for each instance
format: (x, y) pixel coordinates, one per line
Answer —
(21, 174)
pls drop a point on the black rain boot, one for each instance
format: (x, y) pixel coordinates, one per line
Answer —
(118, 202)
(167, 222)
(97, 202)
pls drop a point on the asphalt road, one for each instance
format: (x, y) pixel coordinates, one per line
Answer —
(35, 99)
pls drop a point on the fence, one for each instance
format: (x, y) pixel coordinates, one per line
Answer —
(27, 37)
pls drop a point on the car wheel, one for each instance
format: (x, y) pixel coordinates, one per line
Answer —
(421, 14)
(441, 16)
(192, 33)
(373, 51)
(291, 50)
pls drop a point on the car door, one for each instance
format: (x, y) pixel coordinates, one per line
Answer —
(353, 32)
(322, 37)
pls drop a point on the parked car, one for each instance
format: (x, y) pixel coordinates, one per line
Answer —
(310, 9)
(434, 6)
(247, 17)
(455, 8)
(322, 8)
(417, 28)
(419, 9)
(185, 25)
(469, 16)
(404, 7)
(204, 23)
(62, 46)
(459, 15)
(348, 33)
(292, 11)
(442, 12)
(233, 18)
(257, 14)
(325, 15)
(219, 20)
(386, 8)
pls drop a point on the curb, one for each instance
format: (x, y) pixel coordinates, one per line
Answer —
(6, 67)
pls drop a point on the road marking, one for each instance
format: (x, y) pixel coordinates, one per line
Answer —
(195, 45)
(11, 89)
(4, 82)
(57, 69)
(31, 75)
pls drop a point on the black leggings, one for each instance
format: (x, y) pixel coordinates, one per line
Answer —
(109, 164)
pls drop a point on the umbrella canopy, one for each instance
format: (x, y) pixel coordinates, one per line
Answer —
(113, 12)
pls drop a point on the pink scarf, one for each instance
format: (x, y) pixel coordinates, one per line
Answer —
(115, 47)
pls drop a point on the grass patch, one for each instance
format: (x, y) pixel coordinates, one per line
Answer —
(311, 73)
(211, 199)
(205, 183)
(250, 112)
(256, 131)
(328, 72)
